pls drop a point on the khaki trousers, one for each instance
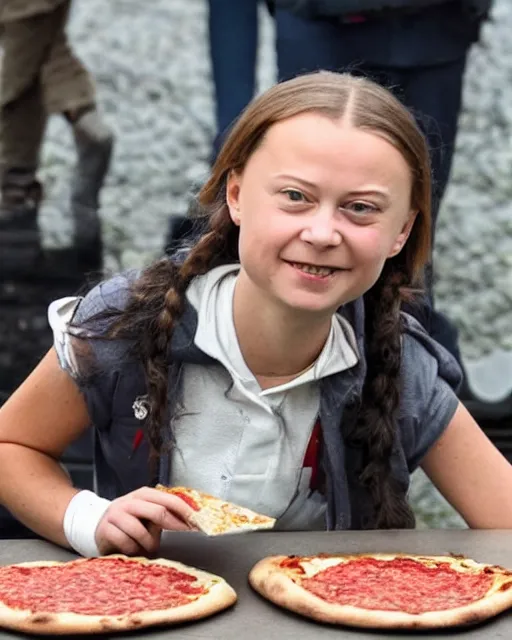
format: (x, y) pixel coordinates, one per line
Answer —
(40, 75)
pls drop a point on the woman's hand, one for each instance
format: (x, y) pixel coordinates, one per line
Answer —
(133, 523)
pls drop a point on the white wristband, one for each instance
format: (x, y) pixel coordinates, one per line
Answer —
(81, 520)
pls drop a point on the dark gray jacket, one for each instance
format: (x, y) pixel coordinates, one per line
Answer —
(428, 402)
(396, 40)
(337, 8)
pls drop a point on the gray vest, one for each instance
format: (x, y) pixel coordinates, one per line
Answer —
(115, 398)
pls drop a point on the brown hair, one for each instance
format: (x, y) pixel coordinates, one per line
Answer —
(157, 300)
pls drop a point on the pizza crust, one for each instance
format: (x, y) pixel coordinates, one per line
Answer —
(219, 596)
(274, 583)
(213, 522)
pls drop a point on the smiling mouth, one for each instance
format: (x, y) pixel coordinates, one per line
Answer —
(314, 270)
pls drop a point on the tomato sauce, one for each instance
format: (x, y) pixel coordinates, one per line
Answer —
(106, 587)
(186, 498)
(401, 584)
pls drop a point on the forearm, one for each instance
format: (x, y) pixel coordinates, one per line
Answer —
(35, 489)
(471, 473)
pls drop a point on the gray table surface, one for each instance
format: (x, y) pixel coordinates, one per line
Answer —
(253, 618)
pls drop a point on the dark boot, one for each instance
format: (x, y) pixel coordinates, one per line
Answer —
(94, 141)
(20, 242)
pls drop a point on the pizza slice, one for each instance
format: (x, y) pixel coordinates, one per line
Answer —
(111, 593)
(387, 591)
(217, 517)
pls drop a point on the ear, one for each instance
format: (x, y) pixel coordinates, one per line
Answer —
(401, 239)
(233, 195)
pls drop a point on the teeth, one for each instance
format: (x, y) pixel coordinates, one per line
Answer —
(315, 271)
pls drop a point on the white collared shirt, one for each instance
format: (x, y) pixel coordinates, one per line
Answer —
(233, 439)
(237, 441)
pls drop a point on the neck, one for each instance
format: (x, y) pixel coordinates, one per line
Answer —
(276, 342)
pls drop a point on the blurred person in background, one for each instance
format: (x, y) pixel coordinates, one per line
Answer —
(417, 48)
(233, 32)
(40, 76)
(233, 44)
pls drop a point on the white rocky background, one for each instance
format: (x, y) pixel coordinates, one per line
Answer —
(151, 64)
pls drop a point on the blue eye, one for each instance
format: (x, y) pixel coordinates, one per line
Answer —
(360, 207)
(294, 195)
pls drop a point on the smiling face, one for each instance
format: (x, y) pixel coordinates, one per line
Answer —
(321, 205)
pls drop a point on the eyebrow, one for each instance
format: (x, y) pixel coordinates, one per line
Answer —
(287, 176)
(375, 191)
(384, 194)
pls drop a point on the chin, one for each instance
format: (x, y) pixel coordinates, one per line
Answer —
(311, 307)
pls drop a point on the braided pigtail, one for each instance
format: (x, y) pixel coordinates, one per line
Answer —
(157, 302)
(375, 427)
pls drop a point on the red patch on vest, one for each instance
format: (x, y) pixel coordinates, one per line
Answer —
(137, 440)
(312, 457)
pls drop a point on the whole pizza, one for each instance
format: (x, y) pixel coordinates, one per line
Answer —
(112, 593)
(388, 591)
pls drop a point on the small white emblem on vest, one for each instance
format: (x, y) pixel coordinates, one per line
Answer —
(141, 407)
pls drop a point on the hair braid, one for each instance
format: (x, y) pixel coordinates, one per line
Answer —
(156, 304)
(381, 394)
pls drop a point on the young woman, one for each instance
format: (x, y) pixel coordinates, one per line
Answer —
(268, 364)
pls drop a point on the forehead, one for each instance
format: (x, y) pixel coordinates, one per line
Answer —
(322, 147)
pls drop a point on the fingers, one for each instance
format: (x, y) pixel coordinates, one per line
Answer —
(174, 505)
(112, 539)
(137, 510)
(129, 522)
(133, 523)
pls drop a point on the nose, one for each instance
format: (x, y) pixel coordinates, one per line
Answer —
(321, 230)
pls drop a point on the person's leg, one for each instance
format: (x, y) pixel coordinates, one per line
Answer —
(233, 32)
(303, 46)
(26, 44)
(66, 84)
(435, 95)
(69, 90)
